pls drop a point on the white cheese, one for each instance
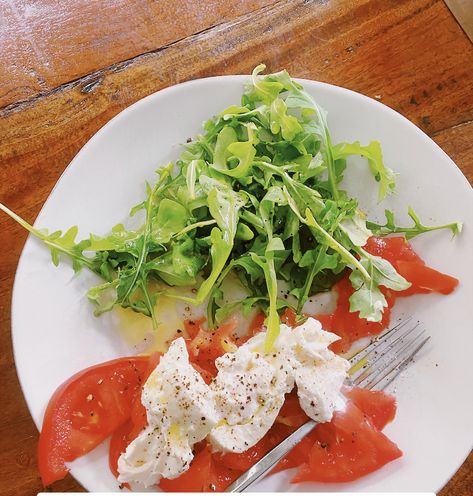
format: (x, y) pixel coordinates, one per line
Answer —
(251, 384)
(180, 412)
(249, 392)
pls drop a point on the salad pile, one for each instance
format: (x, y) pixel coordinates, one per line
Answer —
(258, 195)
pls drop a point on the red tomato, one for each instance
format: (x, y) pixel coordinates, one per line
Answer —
(257, 324)
(85, 410)
(205, 474)
(298, 455)
(289, 317)
(194, 479)
(400, 253)
(392, 249)
(220, 477)
(379, 407)
(348, 325)
(424, 279)
(346, 448)
(291, 413)
(118, 444)
(208, 345)
(193, 327)
(243, 461)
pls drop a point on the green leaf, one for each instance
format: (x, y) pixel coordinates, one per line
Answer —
(219, 252)
(272, 322)
(410, 232)
(355, 228)
(368, 298)
(373, 153)
(288, 125)
(262, 89)
(170, 218)
(58, 243)
(225, 137)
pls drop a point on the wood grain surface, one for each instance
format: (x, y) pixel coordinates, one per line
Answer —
(66, 68)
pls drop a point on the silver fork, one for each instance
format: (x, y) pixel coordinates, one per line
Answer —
(373, 367)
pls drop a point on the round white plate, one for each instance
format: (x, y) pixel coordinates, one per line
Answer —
(55, 333)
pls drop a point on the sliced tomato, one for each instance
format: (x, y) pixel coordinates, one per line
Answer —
(400, 253)
(220, 477)
(257, 324)
(291, 413)
(118, 444)
(193, 327)
(243, 461)
(195, 478)
(378, 406)
(289, 317)
(348, 325)
(208, 345)
(425, 279)
(85, 410)
(392, 249)
(298, 455)
(346, 448)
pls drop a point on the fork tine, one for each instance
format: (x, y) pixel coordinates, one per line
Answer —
(392, 359)
(372, 354)
(388, 378)
(380, 340)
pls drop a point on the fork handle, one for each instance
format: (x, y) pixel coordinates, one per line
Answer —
(263, 466)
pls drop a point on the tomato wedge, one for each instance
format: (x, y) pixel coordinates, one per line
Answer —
(348, 325)
(85, 410)
(378, 406)
(205, 474)
(346, 448)
(425, 279)
(406, 261)
(207, 345)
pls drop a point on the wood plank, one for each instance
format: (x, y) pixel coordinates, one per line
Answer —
(49, 43)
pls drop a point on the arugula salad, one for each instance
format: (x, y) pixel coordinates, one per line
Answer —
(256, 195)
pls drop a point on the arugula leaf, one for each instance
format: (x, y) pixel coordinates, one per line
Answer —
(410, 232)
(374, 155)
(368, 298)
(262, 89)
(58, 242)
(288, 125)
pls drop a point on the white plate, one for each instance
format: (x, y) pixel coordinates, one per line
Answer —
(55, 333)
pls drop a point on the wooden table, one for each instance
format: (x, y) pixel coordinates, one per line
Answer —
(66, 68)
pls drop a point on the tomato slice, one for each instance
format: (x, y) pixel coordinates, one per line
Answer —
(392, 249)
(346, 448)
(402, 256)
(348, 325)
(220, 477)
(291, 413)
(85, 410)
(378, 406)
(425, 279)
(118, 444)
(195, 478)
(289, 317)
(207, 345)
